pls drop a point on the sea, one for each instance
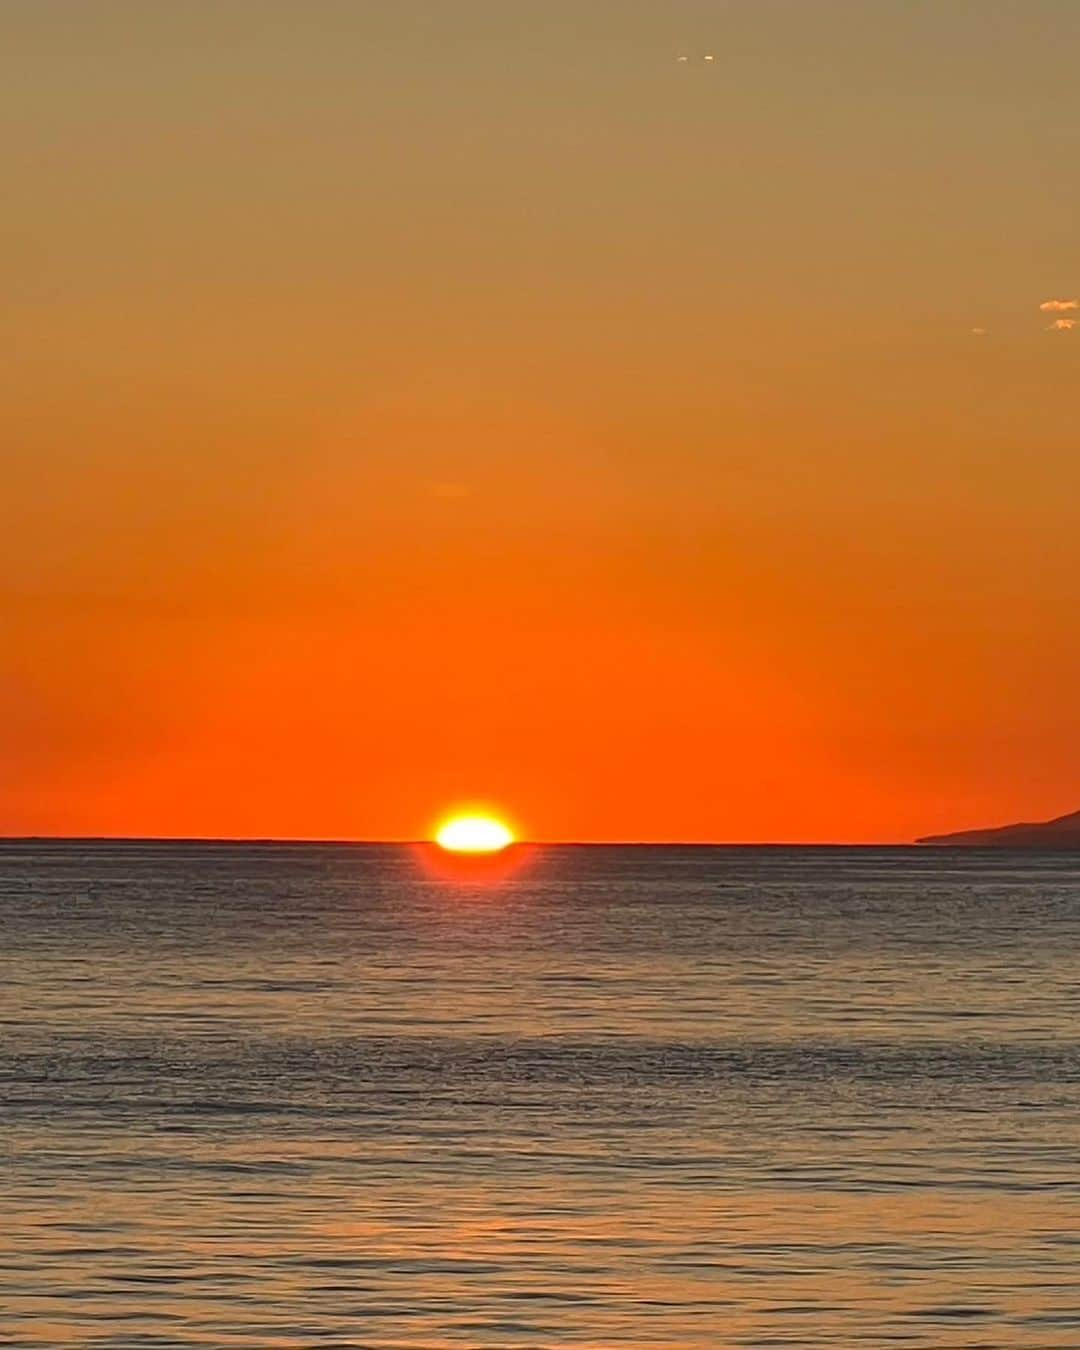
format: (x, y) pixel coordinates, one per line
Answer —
(302, 1095)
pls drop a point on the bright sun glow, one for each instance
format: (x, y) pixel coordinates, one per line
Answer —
(473, 834)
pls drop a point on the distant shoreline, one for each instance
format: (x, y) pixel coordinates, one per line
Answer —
(1062, 834)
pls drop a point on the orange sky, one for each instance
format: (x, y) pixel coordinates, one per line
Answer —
(418, 402)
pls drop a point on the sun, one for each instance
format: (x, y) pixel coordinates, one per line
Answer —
(474, 834)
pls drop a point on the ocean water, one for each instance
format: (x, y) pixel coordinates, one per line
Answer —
(296, 1096)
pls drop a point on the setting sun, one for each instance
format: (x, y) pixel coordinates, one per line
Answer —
(473, 834)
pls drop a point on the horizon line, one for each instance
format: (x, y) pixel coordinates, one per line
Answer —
(315, 840)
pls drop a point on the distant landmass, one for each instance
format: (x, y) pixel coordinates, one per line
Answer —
(1064, 832)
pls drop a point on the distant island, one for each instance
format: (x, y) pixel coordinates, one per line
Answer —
(1063, 832)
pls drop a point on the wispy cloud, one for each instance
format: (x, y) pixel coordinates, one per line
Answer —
(1063, 325)
(1059, 306)
(448, 491)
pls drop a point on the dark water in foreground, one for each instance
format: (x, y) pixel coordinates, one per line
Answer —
(315, 1096)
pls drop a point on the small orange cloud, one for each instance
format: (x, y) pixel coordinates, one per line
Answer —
(1062, 325)
(1059, 306)
(448, 491)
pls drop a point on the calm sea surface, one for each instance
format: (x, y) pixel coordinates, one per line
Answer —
(271, 1096)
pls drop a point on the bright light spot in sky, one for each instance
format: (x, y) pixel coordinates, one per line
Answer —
(473, 834)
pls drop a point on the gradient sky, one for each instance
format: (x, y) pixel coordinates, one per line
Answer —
(428, 400)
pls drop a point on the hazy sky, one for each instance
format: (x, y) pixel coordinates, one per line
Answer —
(413, 401)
